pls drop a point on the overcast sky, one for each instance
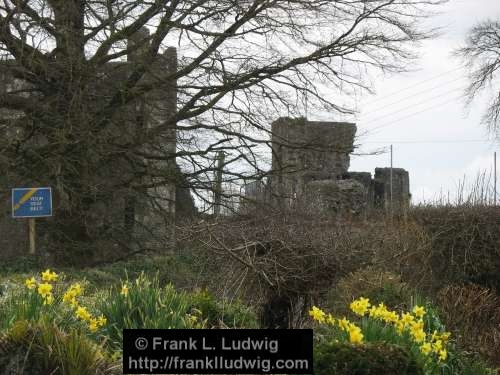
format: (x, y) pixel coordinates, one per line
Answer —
(423, 113)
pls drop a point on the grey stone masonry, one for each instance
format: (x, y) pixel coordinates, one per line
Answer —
(336, 196)
(305, 151)
(400, 188)
(136, 214)
(310, 162)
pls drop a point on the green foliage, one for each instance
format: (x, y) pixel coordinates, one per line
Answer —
(43, 348)
(332, 358)
(20, 265)
(145, 304)
(20, 303)
(178, 270)
(223, 314)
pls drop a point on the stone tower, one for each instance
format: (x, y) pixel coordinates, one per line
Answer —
(306, 151)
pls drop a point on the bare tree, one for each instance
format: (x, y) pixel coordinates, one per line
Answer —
(79, 117)
(481, 56)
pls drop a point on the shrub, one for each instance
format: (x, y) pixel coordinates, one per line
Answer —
(332, 358)
(375, 284)
(465, 244)
(473, 312)
(222, 314)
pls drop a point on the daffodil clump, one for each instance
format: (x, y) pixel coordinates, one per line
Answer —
(433, 346)
(193, 319)
(354, 332)
(45, 289)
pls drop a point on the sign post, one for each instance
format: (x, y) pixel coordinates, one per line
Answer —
(32, 234)
(31, 203)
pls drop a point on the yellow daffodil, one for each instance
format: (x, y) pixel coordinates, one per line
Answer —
(435, 336)
(69, 299)
(93, 324)
(390, 317)
(330, 320)
(82, 313)
(30, 283)
(445, 336)
(48, 299)
(101, 321)
(407, 319)
(70, 296)
(49, 276)
(317, 314)
(437, 346)
(373, 312)
(360, 306)
(416, 325)
(411, 322)
(419, 311)
(426, 348)
(355, 335)
(124, 291)
(442, 355)
(344, 324)
(418, 335)
(76, 289)
(44, 289)
(400, 326)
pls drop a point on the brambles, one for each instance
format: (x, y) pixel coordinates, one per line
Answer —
(473, 312)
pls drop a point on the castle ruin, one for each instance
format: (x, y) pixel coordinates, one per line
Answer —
(147, 216)
(310, 162)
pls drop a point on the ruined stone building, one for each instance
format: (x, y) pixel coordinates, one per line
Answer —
(127, 209)
(310, 162)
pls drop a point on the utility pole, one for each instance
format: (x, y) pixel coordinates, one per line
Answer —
(495, 178)
(218, 183)
(390, 183)
(305, 99)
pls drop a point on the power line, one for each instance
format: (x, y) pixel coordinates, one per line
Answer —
(370, 131)
(417, 93)
(438, 76)
(413, 105)
(434, 141)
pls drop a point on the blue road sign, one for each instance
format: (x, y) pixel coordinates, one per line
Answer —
(31, 202)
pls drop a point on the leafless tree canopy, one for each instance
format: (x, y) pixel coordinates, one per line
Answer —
(241, 64)
(481, 55)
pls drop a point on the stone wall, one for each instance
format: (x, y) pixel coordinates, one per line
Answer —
(336, 196)
(400, 188)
